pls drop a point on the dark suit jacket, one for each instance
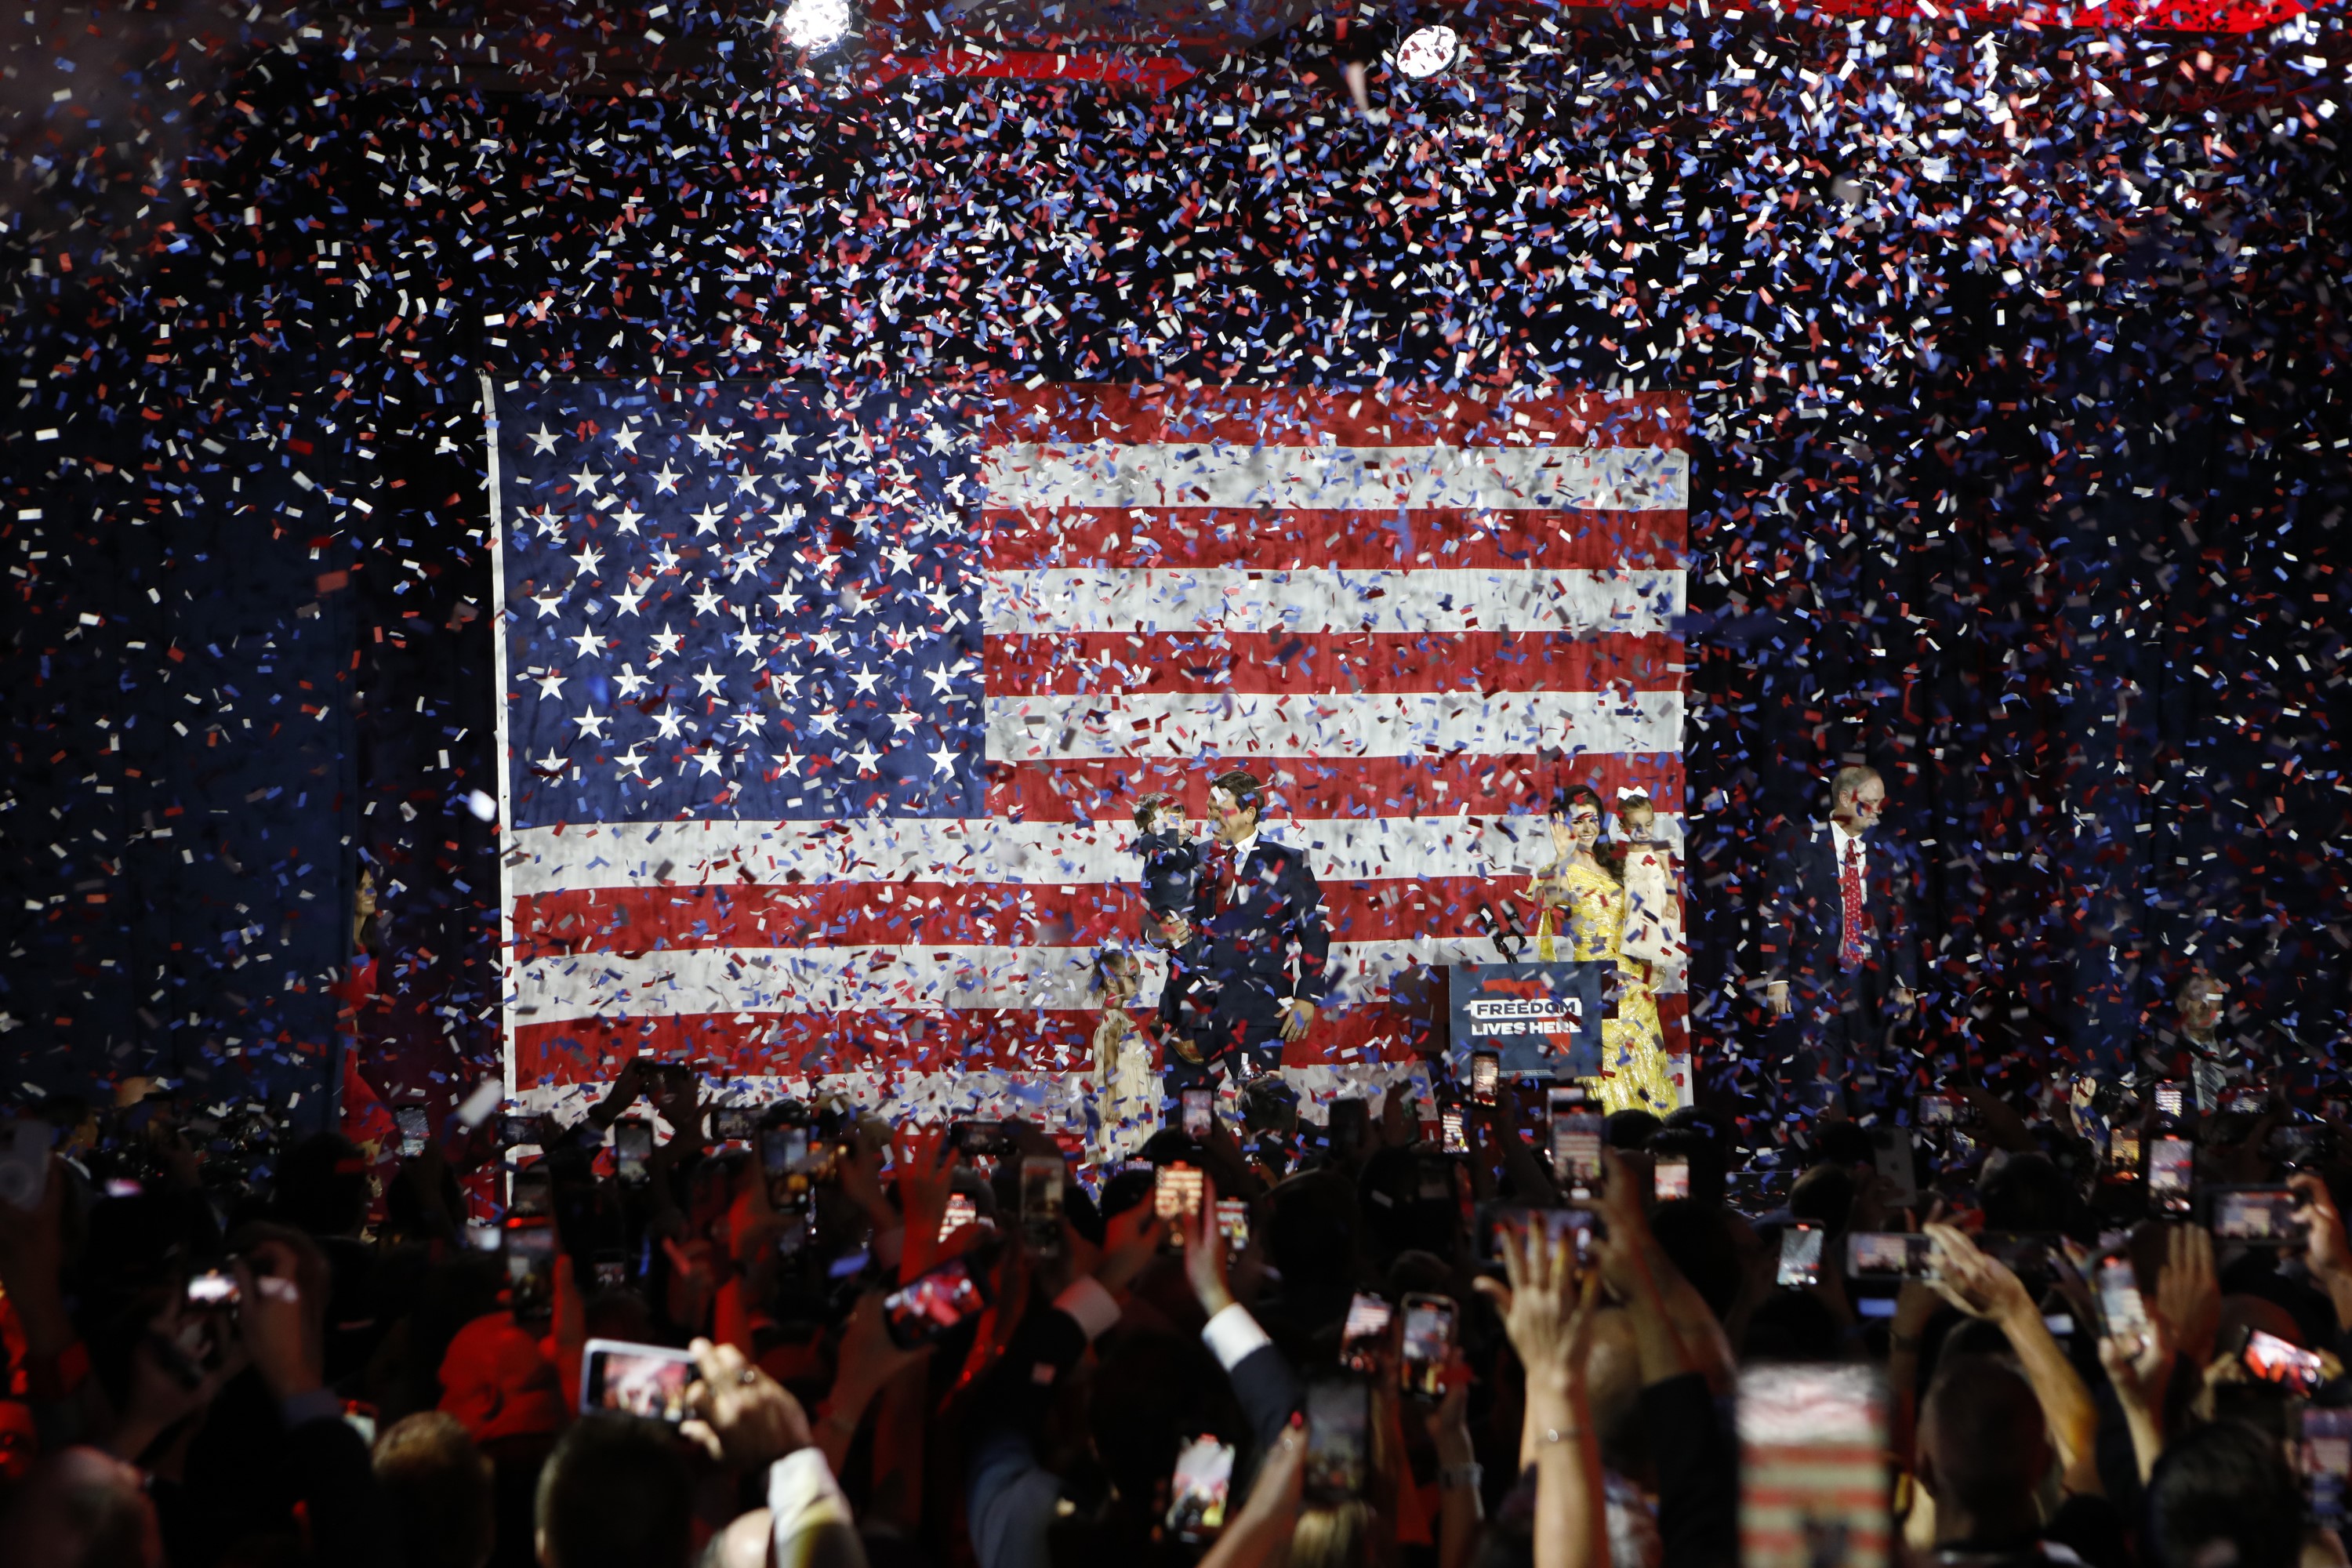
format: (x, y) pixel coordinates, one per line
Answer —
(1256, 950)
(1804, 923)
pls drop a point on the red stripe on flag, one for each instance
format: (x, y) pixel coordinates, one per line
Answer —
(797, 1044)
(1112, 663)
(632, 921)
(1093, 788)
(1310, 417)
(1178, 538)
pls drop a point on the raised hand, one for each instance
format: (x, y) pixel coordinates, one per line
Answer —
(627, 1085)
(2140, 1365)
(1547, 1309)
(1132, 1238)
(32, 1246)
(868, 1357)
(1625, 1228)
(1399, 1126)
(2140, 1368)
(169, 1381)
(677, 1097)
(1204, 1253)
(1259, 1532)
(927, 1167)
(1979, 1285)
(282, 1317)
(742, 1416)
(1449, 1424)
(2325, 1251)
(2187, 1293)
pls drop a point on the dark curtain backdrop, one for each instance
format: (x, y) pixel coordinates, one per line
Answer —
(2015, 371)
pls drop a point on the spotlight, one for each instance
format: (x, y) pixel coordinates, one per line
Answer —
(815, 26)
(1428, 50)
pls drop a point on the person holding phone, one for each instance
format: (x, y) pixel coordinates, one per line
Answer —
(1985, 1288)
(2325, 1249)
(1266, 1386)
(1250, 963)
(1547, 1309)
(1687, 1368)
(1010, 1496)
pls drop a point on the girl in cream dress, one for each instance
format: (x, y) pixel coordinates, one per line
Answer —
(1126, 1069)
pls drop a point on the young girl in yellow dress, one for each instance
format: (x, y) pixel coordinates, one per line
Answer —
(1583, 898)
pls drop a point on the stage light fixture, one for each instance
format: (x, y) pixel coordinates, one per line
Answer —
(1426, 51)
(813, 27)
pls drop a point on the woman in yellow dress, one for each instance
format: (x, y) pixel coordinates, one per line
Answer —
(1582, 895)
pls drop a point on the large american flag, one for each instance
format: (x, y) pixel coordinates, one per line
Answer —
(825, 710)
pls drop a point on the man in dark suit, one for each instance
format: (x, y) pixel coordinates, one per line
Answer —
(1251, 963)
(1841, 953)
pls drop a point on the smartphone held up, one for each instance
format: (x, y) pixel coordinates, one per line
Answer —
(1176, 1192)
(1200, 1489)
(1363, 1337)
(1042, 1177)
(930, 1304)
(1425, 1345)
(1801, 1255)
(1338, 1439)
(635, 1380)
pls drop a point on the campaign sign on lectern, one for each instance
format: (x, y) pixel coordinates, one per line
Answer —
(1541, 1020)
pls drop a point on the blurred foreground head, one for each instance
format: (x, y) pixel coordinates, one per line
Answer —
(1983, 1450)
(615, 1494)
(2222, 1496)
(80, 1508)
(438, 1487)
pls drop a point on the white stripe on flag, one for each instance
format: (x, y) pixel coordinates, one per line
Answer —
(901, 978)
(1161, 474)
(1325, 599)
(984, 850)
(1379, 724)
(929, 1099)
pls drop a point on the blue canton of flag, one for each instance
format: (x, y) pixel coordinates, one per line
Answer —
(757, 599)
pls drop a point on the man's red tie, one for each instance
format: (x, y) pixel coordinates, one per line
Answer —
(1850, 890)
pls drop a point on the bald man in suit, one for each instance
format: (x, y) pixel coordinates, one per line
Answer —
(1841, 951)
